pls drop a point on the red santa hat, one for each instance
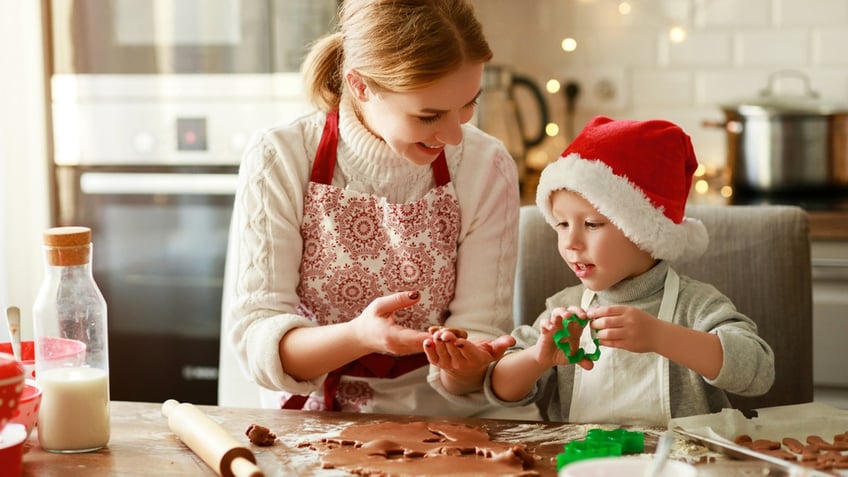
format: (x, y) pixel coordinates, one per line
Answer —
(637, 174)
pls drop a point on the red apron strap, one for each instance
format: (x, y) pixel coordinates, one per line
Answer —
(295, 401)
(325, 156)
(373, 365)
(440, 170)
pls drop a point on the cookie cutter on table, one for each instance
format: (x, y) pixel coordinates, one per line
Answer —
(601, 443)
(632, 442)
(580, 353)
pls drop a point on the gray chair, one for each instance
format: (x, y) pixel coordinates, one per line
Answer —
(759, 256)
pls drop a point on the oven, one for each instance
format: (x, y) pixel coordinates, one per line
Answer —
(159, 237)
(151, 105)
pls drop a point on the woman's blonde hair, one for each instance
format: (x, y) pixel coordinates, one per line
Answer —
(394, 45)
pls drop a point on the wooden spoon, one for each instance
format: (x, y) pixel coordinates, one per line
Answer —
(13, 321)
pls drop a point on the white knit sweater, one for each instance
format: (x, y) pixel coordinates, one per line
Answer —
(264, 254)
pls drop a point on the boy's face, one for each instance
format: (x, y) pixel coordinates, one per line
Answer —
(596, 251)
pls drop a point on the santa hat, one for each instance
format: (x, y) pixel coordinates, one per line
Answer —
(637, 174)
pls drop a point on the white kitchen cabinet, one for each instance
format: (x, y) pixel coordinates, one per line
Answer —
(830, 313)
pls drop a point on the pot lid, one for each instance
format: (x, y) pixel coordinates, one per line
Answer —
(769, 102)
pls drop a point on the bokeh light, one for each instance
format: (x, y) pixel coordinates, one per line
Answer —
(569, 44)
(677, 34)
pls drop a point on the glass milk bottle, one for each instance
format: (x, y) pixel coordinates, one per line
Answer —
(71, 346)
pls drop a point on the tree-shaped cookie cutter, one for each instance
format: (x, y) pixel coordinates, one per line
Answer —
(602, 443)
(572, 328)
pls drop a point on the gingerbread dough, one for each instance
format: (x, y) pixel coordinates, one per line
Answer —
(575, 329)
(456, 331)
(260, 435)
(421, 448)
(571, 333)
(817, 453)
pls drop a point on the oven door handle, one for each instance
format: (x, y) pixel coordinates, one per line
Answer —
(834, 269)
(125, 183)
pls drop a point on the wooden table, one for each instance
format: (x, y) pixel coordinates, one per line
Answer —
(143, 445)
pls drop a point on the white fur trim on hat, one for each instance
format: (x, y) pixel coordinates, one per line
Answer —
(625, 205)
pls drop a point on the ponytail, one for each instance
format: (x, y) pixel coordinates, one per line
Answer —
(322, 72)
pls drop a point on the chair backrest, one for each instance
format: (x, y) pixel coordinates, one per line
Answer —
(759, 256)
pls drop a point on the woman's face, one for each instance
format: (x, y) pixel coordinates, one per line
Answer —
(417, 125)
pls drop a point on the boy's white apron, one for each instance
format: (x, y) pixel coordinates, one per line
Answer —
(624, 386)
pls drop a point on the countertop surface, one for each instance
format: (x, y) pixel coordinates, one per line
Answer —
(142, 444)
(828, 225)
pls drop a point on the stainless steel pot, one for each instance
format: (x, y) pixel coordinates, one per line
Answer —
(779, 143)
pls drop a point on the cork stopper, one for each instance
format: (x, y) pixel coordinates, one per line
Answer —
(67, 246)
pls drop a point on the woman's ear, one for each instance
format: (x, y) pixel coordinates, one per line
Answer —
(356, 85)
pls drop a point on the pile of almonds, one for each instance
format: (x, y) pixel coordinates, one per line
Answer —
(816, 453)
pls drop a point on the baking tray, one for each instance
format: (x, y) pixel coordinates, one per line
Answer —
(718, 430)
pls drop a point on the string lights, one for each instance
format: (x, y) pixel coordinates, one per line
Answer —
(677, 31)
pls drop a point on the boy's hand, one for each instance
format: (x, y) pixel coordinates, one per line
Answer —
(548, 353)
(625, 327)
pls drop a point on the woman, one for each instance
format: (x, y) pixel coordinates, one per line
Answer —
(358, 227)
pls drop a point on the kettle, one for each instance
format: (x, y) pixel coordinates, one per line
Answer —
(498, 114)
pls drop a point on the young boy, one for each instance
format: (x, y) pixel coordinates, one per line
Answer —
(669, 345)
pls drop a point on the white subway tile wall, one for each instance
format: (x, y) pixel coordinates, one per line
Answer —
(829, 46)
(731, 49)
(811, 13)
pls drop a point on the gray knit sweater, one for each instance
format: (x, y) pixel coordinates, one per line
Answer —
(748, 367)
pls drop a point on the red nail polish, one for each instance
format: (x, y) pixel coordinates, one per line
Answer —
(413, 295)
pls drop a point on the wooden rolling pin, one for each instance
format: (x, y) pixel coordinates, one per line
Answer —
(209, 441)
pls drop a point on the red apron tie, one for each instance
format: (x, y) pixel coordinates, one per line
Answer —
(373, 365)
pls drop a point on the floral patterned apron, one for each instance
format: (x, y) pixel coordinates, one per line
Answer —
(357, 247)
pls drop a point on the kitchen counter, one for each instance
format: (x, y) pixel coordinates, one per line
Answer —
(828, 225)
(142, 443)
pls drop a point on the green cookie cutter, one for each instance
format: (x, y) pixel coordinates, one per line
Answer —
(581, 450)
(566, 346)
(632, 442)
(601, 443)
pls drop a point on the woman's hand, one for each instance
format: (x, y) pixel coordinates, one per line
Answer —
(463, 362)
(376, 326)
(445, 350)
(310, 351)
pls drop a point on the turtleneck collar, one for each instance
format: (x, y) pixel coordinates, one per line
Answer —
(636, 288)
(364, 156)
